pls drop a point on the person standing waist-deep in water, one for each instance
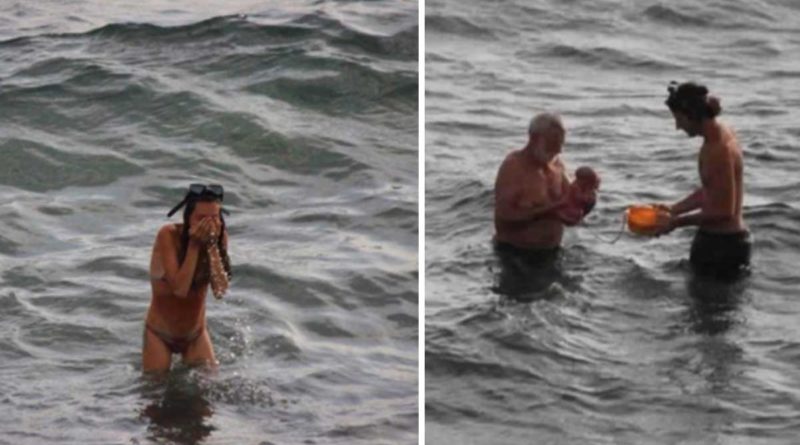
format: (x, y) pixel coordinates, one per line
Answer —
(186, 258)
(531, 191)
(722, 245)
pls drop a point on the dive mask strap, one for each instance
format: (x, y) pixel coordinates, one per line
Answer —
(183, 202)
(177, 207)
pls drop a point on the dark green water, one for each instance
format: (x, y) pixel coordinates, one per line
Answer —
(307, 113)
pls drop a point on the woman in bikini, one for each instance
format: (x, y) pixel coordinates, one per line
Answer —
(186, 258)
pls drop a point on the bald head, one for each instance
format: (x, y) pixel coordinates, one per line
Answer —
(545, 123)
(545, 137)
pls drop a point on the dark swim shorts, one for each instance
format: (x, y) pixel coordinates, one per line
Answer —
(524, 273)
(724, 255)
(531, 257)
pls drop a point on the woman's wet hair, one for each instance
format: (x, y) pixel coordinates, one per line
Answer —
(191, 204)
(693, 100)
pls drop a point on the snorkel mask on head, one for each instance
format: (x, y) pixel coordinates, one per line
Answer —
(198, 190)
(672, 87)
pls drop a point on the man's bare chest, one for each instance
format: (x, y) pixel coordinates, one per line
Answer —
(542, 186)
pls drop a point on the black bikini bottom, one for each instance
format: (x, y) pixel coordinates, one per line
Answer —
(176, 345)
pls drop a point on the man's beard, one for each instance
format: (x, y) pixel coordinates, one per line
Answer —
(692, 132)
(542, 157)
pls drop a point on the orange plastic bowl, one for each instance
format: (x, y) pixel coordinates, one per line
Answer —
(644, 219)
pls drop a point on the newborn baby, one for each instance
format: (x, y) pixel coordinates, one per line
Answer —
(581, 196)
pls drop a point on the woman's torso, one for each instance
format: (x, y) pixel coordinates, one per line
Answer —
(168, 313)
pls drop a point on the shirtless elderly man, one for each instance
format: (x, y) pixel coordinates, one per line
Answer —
(722, 243)
(531, 189)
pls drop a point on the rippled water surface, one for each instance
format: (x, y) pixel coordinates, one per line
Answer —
(621, 344)
(307, 113)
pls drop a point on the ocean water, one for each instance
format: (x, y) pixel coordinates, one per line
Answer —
(621, 344)
(306, 111)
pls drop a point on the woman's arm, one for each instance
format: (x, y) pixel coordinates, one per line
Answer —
(180, 276)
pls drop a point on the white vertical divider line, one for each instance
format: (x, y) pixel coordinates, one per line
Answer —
(421, 223)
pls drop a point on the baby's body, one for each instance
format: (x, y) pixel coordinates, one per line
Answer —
(581, 196)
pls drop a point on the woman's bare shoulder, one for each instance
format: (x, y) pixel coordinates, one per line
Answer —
(169, 230)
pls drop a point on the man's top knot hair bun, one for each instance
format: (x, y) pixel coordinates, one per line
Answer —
(714, 105)
(692, 99)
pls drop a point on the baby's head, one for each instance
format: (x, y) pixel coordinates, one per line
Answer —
(587, 179)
